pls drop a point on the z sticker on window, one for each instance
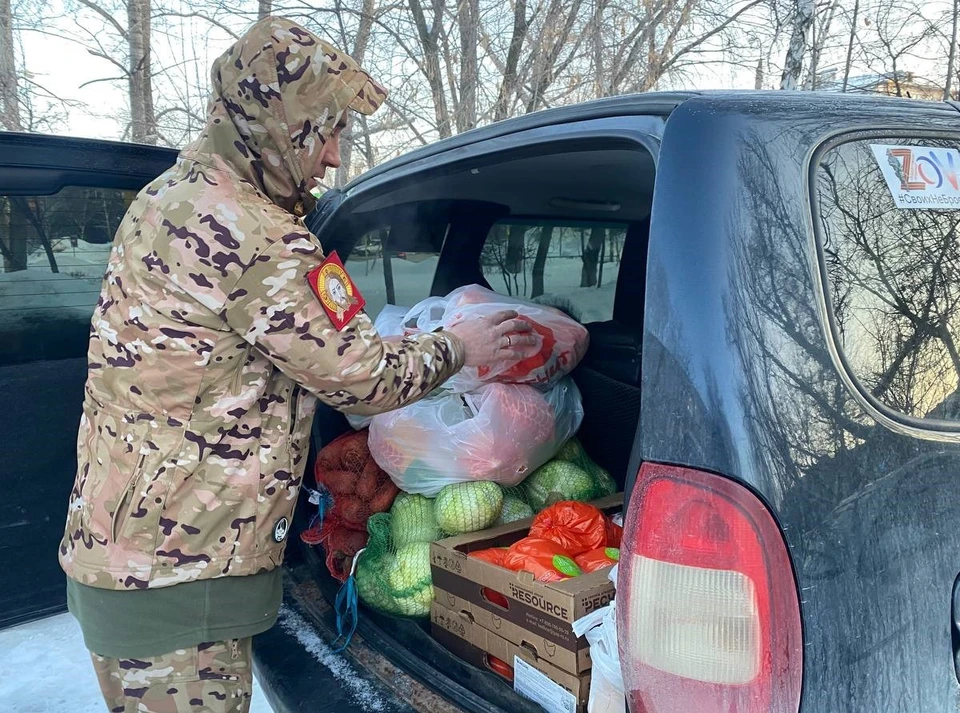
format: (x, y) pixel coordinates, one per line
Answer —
(920, 177)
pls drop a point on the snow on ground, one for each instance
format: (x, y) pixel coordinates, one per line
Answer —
(44, 668)
(71, 292)
(413, 279)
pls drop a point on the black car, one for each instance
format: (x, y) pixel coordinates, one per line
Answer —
(771, 282)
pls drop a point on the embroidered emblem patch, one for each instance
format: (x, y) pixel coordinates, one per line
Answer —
(338, 294)
(280, 530)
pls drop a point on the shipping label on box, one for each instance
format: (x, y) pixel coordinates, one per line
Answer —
(476, 645)
(539, 688)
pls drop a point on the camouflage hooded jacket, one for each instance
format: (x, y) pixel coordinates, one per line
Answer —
(208, 349)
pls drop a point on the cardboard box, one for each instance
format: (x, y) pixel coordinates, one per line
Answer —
(573, 660)
(539, 615)
(556, 690)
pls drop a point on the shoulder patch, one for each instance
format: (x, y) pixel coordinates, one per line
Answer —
(338, 294)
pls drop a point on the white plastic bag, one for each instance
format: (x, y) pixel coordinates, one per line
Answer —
(389, 323)
(500, 432)
(606, 683)
(562, 340)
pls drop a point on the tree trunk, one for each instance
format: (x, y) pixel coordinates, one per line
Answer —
(758, 77)
(793, 65)
(364, 29)
(952, 58)
(9, 87)
(591, 256)
(515, 249)
(468, 15)
(430, 44)
(143, 122)
(853, 35)
(264, 9)
(508, 86)
(540, 261)
(13, 239)
(820, 37)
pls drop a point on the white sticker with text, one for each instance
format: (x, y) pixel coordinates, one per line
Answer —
(540, 688)
(920, 176)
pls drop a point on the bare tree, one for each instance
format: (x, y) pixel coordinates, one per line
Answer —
(952, 54)
(800, 32)
(264, 8)
(850, 42)
(143, 120)
(468, 18)
(821, 31)
(9, 84)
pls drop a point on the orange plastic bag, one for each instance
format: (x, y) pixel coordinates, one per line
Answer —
(576, 527)
(597, 559)
(493, 555)
(544, 559)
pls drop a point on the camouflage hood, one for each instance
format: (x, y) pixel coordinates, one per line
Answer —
(277, 95)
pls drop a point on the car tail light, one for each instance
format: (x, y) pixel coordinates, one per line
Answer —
(707, 605)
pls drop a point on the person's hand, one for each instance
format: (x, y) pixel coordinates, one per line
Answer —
(495, 337)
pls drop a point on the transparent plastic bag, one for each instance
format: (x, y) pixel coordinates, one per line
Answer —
(563, 341)
(500, 432)
(606, 682)
(389, 323)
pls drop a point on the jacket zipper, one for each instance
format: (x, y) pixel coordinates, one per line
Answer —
(294, 402)
(124, 497)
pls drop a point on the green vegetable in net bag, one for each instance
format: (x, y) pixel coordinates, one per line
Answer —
(410, 581)
(394, 580)
(515, 506)
(559, 480)
(412, 520)
(468, 507)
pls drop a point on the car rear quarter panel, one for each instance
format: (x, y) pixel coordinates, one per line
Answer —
(739, 380)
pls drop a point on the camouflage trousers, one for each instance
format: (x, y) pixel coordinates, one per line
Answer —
(215, 677)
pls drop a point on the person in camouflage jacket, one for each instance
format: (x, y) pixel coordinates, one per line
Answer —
(208, 348)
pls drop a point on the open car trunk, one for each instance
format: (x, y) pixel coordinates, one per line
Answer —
(434, 235)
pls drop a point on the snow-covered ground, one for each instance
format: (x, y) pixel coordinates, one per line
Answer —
(412, 281)
(44, 668)
(71, 292)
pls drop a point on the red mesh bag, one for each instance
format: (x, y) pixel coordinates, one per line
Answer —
(352, 488)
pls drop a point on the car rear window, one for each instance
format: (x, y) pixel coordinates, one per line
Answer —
(888, 211)
(53, 253)
(396, 267)
(573, 266)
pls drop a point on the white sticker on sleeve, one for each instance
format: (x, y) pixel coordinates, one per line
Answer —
(920, 176)
(540, 688)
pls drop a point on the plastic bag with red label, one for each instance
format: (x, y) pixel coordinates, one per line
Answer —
(600, 558)
(562, 340)
(576, 527)
(544, 559)
(500, 432)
